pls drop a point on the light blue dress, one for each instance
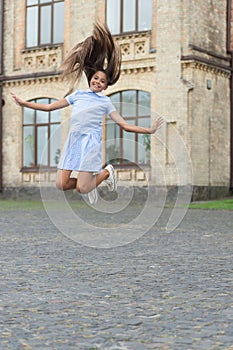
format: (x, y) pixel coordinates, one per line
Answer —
(83, 148)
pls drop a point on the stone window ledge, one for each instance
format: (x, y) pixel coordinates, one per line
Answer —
(42, 58)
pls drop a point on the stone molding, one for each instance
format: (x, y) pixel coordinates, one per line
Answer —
(42, 58)
(208, 68)
(47, 177)
(26, 81)
(137, 56)
(134, 45)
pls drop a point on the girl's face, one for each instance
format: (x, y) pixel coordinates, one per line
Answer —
(98, 82)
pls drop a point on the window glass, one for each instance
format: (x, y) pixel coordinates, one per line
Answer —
(42, 145)
(28, 146)
(58, 23)
(123, 147)
(144, 142)
(112, 131)
(45, 22)
(113, 143)
(129, 145)
(28, 116)
(41, 139)
(144, 14)
(55, 150)
(32, 26)
(113, 16)
(129, 104)
(42, 116)
(45, 25)
(32, 2)
(143, 103)
(55, 116)
(129, 15)
(115, 98)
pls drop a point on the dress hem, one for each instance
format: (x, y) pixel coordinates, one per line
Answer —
(82, 170)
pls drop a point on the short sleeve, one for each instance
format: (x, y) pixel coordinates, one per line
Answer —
(110, 107)
(71, 98)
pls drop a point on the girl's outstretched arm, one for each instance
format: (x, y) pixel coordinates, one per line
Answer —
(40, 106)
(118, 119)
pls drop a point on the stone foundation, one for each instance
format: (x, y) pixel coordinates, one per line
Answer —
(140, 194)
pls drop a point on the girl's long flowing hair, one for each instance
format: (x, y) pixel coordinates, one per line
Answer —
(98, 52)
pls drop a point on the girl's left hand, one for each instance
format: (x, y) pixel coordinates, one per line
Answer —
(157, 125)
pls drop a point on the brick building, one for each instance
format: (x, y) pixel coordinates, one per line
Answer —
(177, 62)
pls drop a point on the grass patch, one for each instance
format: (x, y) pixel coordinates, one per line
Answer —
(223, 204)
(10, 204)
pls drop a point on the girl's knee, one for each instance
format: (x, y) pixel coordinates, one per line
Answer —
(80, 189)
(59, 186)
(83, 188)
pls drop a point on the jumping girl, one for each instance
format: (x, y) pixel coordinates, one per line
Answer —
(99, 58)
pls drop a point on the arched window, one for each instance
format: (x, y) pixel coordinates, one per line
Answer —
(44, 22)
(41, 136)
(124, 16)
(122, 147)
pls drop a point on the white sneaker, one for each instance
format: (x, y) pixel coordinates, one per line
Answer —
(111, 181)
(93, 196)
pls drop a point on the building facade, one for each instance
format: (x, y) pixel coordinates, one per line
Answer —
(177, 62)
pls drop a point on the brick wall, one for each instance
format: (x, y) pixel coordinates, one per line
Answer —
(207, 24)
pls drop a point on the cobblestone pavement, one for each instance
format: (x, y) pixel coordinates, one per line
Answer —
(163, 291)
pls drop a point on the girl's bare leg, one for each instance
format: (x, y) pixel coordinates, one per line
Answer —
(86, 181)
(63, 180)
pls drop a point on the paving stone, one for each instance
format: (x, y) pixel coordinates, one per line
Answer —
(162, 291)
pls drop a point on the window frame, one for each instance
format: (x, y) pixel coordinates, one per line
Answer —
(135, 118)
(40, 6)
(36, 167)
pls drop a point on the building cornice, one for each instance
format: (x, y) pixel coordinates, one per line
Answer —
(206, 65)
(30, 78)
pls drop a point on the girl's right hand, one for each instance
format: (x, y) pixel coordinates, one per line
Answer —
(17, 99)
